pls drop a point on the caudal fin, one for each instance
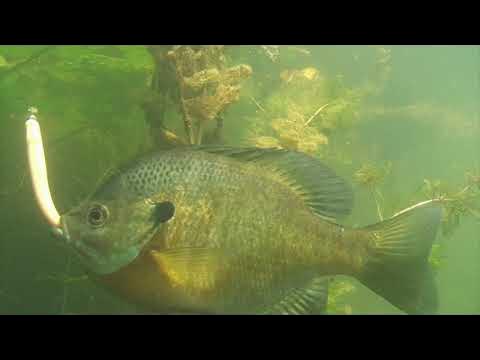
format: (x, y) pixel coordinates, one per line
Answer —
(398, 268)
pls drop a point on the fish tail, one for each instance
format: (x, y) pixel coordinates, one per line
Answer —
(398, 268)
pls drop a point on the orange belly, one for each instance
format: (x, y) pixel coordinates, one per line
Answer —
(143, 282)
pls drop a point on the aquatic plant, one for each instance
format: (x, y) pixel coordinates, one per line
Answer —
(295, 132)
(458, 203)
(289, 120)
(305, 109)
(371, 177)
(206, 85)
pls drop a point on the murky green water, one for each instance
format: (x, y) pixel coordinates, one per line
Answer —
(407, 116)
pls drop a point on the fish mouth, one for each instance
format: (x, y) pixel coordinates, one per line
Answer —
(62, 231)
(95, 262)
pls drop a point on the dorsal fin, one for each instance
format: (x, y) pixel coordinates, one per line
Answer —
(323, 191)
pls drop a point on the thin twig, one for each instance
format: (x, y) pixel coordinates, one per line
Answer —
(379, 211)
(257, 104)
(315, 114)
(464, 190)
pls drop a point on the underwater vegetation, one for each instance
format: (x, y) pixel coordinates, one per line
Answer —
(371, 177)
(204, 87)
(303, 112)
(458, 203)
(115, 102)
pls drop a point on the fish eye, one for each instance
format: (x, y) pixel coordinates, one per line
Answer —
(97, 215)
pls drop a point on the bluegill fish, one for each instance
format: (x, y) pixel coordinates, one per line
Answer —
(244, 230)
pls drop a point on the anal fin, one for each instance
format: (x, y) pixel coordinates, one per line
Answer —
(307, 300)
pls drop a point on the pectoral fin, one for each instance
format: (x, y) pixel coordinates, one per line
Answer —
(191, 268)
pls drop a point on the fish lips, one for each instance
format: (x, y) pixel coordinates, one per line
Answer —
(62, 231)
(99, 264)
(58, 232)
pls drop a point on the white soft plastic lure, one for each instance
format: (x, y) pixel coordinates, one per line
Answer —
(38, 173)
